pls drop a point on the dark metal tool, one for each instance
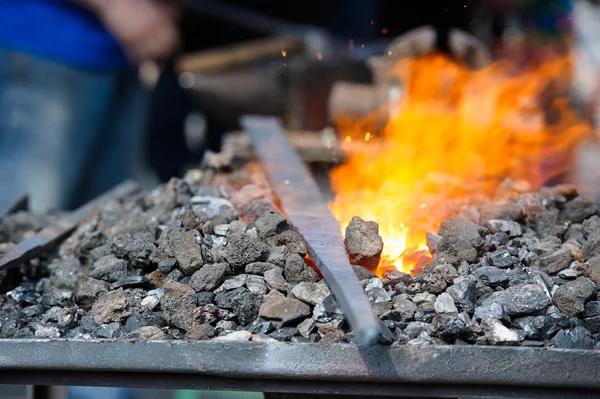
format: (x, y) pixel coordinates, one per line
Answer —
(52, 235)
(306, 208)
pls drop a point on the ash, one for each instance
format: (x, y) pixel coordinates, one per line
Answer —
(200, 260)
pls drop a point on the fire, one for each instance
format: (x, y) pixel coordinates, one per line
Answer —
(454, 137)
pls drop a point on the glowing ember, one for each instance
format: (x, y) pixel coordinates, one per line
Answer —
(456, 136)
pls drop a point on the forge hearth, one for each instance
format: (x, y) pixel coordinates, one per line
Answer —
(180, 262)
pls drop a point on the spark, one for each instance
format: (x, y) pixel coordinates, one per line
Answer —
(348, 139)
(287, 182)
(284, 53)
(319, 56)
(368, 136)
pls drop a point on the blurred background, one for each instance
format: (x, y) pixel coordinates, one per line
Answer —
(94, 92)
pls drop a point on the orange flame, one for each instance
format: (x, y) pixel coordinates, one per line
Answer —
(455, 135)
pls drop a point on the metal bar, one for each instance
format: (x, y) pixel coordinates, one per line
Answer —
(436, 371)
(306, 208)
(20, 204)
(52, 235)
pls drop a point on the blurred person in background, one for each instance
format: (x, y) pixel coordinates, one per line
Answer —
(72, 108)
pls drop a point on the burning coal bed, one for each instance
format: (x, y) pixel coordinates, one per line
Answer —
(179, 262)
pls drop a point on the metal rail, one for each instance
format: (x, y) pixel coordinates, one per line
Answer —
(306, 208)
(52, 235)
(401, 371)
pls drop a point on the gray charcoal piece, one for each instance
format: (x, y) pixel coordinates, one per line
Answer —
(363, 242)
(464, 228)
(209, 277)
(274, 278)
(204, 298)
(454, 249)
(284, 334)
(88, 290)
(242, 250)
(133, 282)
(259, 268)
(277, 256)
(502, 259)
(109, 268)
(59, 297)
(186, 250)
(291, 240)
(363, 273)
(405, 308)
(221, 229)
(167, 265)
(555, 261)
(531, 325)
(591, 227)
(178, 304)
(510, 227)
(444, 304)
(592, 308)
(492, 276)
(207, 207)
(416, 328)
(270, 224)
(375, 291)
(311, 293)
(576, 338)
(256, 284)
(150, 302)
(232, 283)
(200, 332)
(520, 300)
(570, 273)
(278, 308)
(306, 328)
(42, 331)
(497, 333)
(291, 321)
(328, 313)
(111, 307)
(296, 270)
(63, 272)
(546, 246)
(107, 331)
(235, 336)
(463, 293)
(152, 333)
(570, 298)
(579, 209)
(489, 310)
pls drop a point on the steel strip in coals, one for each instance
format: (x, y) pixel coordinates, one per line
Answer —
(433, 371)
(306, 208)
(52, 235)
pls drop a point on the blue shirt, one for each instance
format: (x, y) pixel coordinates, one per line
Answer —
(60, 31)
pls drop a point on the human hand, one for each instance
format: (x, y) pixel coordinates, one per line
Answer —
(147, 30)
